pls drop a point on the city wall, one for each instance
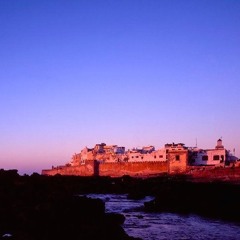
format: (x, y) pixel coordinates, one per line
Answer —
(82, 170)
(229, 173)
(94, 168)
(132, 168)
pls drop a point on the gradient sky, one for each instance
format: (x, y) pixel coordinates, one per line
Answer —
(126, 72)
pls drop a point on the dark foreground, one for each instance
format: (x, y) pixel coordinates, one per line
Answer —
(41, 207)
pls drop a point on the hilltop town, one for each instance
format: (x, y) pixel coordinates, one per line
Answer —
(116, 161)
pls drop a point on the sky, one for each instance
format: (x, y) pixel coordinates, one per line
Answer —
(125, 72)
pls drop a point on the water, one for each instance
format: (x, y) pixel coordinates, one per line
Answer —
(152, 226)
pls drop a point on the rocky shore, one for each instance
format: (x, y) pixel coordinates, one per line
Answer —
(213, 200)
(42, 207)
(37, 207)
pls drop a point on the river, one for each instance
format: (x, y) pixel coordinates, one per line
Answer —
(152, 226)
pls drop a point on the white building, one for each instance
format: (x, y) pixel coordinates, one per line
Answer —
(151, 155)
(216, 156)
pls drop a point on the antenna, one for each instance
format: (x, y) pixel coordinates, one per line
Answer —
(196, 142)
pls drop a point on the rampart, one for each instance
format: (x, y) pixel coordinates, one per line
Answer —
(132, 168)
(81, 170)
(94, 168)
(228, 173)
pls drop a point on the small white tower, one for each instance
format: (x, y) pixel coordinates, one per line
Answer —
(219, 144)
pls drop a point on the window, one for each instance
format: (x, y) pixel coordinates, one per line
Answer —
(132, 156)
(160, 156)
(154, 156)
(136, 156)
(205, 158)
(215, 157)
(177, 157)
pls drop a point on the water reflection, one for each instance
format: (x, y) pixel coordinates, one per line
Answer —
(166, 225)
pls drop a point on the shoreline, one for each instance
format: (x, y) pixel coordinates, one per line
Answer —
(29, 201)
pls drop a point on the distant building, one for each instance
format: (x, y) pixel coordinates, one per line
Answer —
(115, 161)
(213, 157)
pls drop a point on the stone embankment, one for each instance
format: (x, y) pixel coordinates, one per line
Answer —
(211, 173)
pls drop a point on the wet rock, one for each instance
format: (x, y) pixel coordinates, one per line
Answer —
(215, 200)
(115, 218)
(42, 208)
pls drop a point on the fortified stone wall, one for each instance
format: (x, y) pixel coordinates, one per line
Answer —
(177, 161)
(211, 172)
(132, 168)
(82, 170)
(111, 169)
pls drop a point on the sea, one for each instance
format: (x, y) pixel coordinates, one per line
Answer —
(153, 226)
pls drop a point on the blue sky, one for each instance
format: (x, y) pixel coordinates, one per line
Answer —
(132, 73)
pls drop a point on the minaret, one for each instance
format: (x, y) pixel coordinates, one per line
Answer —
(219, 144)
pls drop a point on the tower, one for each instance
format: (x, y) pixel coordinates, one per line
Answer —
(219, 144)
